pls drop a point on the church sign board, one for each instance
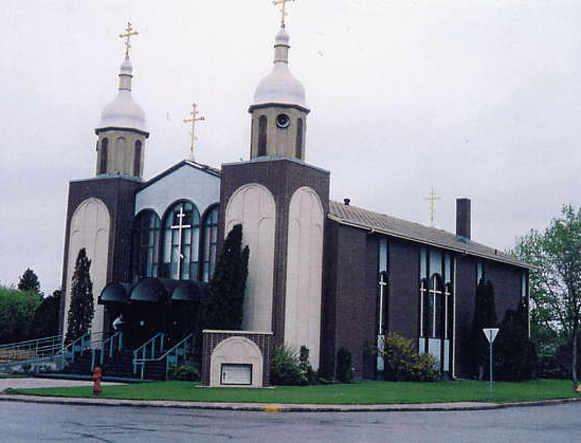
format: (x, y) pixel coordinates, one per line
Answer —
(238, 374)
(236, 358)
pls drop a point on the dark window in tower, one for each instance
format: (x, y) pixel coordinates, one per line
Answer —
(146, 229)
(209, 243)
(137, 159)
(262, 126)
(299, 148)
(103, 165)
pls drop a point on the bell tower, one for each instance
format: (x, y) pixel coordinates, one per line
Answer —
(121, 131)
(279, 111)
(281, 203)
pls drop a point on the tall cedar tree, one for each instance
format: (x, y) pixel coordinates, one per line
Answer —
(515, 354)
(29, 282)
(45, 321)
(224, 308)
(555, 282)
(82, 309)
(484, 317)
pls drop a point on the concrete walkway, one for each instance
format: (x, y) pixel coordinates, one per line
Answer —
(29, 383)
(33, 383)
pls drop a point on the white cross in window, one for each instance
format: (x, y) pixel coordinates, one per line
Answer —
(180, 228)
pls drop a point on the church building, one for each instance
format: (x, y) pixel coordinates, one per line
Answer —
(322, 274)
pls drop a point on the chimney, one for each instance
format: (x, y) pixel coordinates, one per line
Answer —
(463, 218)
(347, 201)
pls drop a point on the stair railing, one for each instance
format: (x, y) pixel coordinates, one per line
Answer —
(112, 344)
(149, 348)
(29, 349)
(89, 340)
(172, 356)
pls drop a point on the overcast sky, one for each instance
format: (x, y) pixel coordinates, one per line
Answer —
(476, 98)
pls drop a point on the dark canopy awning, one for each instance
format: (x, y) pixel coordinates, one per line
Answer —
(149, 290)
(154, 290)
(115, 293)
(189, 291)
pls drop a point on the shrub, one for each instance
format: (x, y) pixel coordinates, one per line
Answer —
(306, 367)
(344, 369)
(515, 354)
(184, 373)
(403, 363)
(285, 368)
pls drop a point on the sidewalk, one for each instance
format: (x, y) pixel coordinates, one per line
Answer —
(38, 383)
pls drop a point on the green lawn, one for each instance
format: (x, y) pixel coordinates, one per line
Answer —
(367, 392)
(12, 376)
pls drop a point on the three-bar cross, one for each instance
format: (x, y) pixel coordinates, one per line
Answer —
(282, 10)
(128, 33)
(193, 121)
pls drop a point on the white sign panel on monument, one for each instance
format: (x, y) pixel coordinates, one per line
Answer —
(236, 374)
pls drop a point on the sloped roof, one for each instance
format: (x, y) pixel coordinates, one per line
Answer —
(205, 168)
(385, 224)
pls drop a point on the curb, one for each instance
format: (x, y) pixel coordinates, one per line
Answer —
(277, 408)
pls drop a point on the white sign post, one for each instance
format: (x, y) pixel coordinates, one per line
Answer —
(490, 334)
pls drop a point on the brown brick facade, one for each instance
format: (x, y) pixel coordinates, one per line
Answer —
(282, 177)
(118, 194)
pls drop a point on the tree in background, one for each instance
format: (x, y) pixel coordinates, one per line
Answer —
(555, 284)
(224, 308)
(45, 321)
(29, 282)
(16, 312)
(515, 354)
(484, 317)
(82, 309)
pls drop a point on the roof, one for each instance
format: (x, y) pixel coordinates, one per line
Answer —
(385, 224)
(205, 168)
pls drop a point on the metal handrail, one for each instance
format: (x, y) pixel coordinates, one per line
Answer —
(36, 348)
(174, 350)
(87, 340)
(31, 341)
(144, 348)
(110, 343)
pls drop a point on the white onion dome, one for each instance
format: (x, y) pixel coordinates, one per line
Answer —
(123, 112)
(280, 86)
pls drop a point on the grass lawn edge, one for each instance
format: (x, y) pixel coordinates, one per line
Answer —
(368, 393)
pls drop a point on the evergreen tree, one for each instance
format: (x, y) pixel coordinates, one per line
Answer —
(515, 354)
(45, 321)
(484, 317)
(29, 282)
(224, 307)
(82, 309)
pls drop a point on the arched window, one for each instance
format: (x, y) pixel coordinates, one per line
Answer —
(145, 245)
(103, 165)
(210, 243)
(300, 130)
(137, 159)
(181, 240)
(262, 127)
(434, 308)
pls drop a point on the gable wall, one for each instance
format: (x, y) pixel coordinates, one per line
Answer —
(186, 182)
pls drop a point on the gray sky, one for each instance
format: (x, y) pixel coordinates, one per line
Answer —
(477, 98)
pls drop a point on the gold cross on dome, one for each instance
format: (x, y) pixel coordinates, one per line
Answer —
(128, 33)
(432, 198)
(282, 10)
(193, 121)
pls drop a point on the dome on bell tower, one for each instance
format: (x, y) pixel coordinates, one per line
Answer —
(280, 86)
(123, 112)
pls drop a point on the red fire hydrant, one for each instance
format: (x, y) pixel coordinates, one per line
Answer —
(97, 389)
